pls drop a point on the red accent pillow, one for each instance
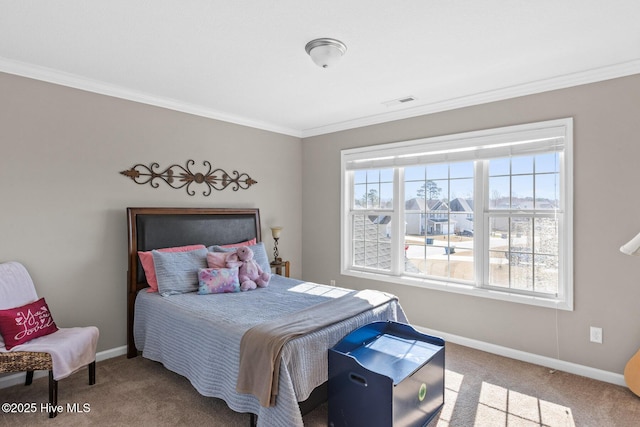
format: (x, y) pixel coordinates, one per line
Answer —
(146, 259)
(21, 324)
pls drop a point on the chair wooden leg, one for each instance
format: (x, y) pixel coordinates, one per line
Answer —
(53, 395)
(29, 379)
(92, 373)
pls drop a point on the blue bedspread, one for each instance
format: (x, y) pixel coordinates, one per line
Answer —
(198, 336)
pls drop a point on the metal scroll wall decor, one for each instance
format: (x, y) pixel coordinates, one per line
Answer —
(177, 177)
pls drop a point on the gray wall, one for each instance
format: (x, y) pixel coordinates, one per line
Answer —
(606, 215)
(63, 201)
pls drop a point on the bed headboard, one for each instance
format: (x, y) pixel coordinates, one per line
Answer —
(154, 228)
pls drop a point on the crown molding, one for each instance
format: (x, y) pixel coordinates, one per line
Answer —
(545, 85)
(82, 83)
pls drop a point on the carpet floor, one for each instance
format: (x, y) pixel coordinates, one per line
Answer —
(481, 389)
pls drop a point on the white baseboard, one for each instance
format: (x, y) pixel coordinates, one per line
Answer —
(108, 354)
(18, 378)
(549, 362)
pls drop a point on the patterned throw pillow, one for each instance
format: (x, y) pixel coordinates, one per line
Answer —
(21, 324)
(218, 280)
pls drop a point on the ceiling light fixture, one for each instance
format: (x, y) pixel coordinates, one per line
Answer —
(325, 52)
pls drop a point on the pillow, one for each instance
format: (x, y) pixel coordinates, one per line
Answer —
(218, 259)
(177, 272)
(21, 324)
(146, 259)
(259, 254)
(218, 280)
(241, 244)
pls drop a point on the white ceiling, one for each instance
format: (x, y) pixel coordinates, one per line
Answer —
(244, 61)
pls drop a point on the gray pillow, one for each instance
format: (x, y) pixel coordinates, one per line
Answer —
(177, 272)
(259, 254)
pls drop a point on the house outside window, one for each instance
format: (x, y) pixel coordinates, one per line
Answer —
(485, 213)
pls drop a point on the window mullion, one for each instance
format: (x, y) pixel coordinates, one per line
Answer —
(480, 223)
(346, 225)
(398, 228)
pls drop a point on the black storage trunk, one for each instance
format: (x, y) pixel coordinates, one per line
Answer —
(386, 374)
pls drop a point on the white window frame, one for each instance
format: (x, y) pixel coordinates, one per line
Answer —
(490, 143)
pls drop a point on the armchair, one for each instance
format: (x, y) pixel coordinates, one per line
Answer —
(61, 351)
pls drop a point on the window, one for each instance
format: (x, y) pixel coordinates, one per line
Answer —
(486, 213)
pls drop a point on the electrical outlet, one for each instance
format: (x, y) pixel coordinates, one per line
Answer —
(596, 334)
(332, 282)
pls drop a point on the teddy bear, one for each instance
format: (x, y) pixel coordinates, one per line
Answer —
(250, 274)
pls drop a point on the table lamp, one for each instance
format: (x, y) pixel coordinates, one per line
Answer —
(275, 232)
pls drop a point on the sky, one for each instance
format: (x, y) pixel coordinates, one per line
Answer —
(521, 177)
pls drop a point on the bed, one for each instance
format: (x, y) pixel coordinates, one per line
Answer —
(199, 336)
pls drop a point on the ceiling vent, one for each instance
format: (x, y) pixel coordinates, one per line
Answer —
(399, 101)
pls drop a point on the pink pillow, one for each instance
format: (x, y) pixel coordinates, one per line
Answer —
(146, 259)
(241, 244)
(21, 324)
(217, 259)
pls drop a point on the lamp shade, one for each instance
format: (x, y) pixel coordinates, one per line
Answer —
(275, 232)
(325, 52)
(632, 247)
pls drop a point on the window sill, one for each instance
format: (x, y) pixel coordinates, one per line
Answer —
(459, 288)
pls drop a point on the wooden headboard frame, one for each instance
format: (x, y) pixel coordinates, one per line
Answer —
(155, 228)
